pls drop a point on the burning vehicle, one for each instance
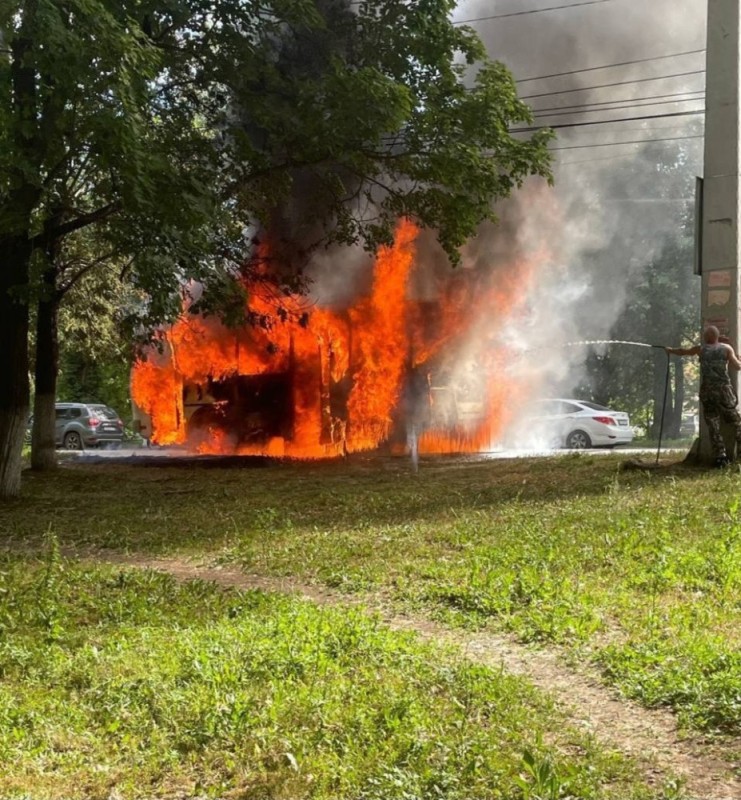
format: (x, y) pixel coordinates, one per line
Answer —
(331, 380)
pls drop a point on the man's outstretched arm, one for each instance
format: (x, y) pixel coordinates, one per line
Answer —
(684, 351)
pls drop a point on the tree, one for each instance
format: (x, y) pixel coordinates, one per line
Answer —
(379, 112)
(651, 249)
(661, 308)
(83, 348)
(162, 131)
(96, 346)
(664, 310)
(88, 144)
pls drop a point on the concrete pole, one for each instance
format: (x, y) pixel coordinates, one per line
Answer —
(722, 181)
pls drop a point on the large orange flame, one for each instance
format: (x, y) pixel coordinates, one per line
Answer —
(351, 380)
(380, 344)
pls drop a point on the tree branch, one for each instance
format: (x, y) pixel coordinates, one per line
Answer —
(64, 288)
(52, 231)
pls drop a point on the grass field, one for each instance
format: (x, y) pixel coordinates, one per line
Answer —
(638, 571)
(127, 684)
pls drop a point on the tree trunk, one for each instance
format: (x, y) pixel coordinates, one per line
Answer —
(15, 252)
(43, 440)
(15, 255)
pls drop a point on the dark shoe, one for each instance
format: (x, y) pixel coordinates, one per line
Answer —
(722, 461)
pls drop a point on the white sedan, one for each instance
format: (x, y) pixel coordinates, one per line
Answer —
(578, 424)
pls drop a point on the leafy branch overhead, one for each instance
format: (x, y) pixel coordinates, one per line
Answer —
(385, 112)
(177, 126)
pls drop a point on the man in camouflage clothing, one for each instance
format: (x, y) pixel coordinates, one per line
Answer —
(716, 391)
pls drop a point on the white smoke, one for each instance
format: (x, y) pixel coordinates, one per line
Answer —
(606, 217)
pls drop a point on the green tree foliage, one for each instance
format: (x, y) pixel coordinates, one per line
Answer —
(662, 308)
(382, 110)
(82, 143)
(96, 349)
(172, 129)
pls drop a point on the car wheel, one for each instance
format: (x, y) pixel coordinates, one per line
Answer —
(72, 441)
(578, 440)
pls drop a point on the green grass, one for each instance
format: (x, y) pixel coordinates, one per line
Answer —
(684, 443)
(128, 684)
(641, 572)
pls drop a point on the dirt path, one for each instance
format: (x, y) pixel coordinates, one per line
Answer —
(649, 737)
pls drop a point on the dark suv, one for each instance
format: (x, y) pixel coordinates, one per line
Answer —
(81, 425)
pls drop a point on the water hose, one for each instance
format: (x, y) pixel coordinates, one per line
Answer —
(663, 405)
(666, 382)
(414, 440)
(608, 341)
(637, 344)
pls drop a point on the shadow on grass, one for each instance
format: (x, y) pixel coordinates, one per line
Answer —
(170, 508)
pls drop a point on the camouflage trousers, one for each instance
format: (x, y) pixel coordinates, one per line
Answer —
(719, 403)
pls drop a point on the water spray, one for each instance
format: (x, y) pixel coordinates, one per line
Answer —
(413, 443)
(666, 381)
(412, 433)
(589, 342)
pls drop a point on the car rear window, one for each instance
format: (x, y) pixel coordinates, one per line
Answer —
(594, 406)
(104, 411)
(553, 407)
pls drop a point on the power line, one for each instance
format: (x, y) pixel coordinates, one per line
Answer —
(623, 100)
(617, 83)
(609, 66)
(652, 129)
(617, 144)
(615, 157)
(592, 160)
(661, 130)
(590, 108)
(614, 108)
(511, 13)
(532, 11)
(608, 121)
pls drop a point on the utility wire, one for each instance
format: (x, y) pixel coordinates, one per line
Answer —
(614, 108)
(511, 13)
(661, 130)
(620, 156)
(616, 144)
(591, 108)
(609, 66)
(616, 83)
(623, 100)
(607, 121)
(532, 11)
